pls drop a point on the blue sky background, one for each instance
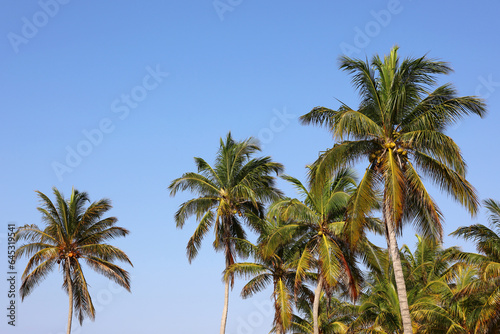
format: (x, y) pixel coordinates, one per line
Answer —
(252, 68)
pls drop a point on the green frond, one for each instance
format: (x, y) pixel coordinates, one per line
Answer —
(361, 204)
(106, 252)
(449, 181)
(329, 260)
(283, 305)
(197, 206)
(35, 277)
(244, 270)
(195, 183)
(420, 207)
(93, 237)
(81, 296)
(354, 124)
(494, 212)
(302, 266)
(319, 116)
(339, 157)
(256, 284)
(202, 229)
(438, 145)
(109, 270)
(89, 218)
(34, 234)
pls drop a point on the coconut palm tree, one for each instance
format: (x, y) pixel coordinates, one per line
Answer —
(427, 263)
(315, 224)
(334, 317)
(276, 269)
(399, 129)
(488, 261)
(379, 308)
(73, 234)
(446, 306)
(229, 195)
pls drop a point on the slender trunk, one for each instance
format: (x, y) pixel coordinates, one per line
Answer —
(224, 311)
(317, 296)
(398, 271)
(229, 262)
(70, 293)
(277, 316)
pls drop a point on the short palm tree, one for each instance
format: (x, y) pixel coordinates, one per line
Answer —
(427, 263)
(378, 311)
(488, 260)
(399, 129)
(230, 193)
(447, 306)
(277, 269)
(73, 234)
(334, 317)
(315, 223)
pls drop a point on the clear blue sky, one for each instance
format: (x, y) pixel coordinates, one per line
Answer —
(155, 83)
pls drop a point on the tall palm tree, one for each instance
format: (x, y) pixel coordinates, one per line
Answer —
(230, 193)
(315, 224)
(73, 233)
(399, 128)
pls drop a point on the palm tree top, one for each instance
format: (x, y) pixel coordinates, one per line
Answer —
(400, 121)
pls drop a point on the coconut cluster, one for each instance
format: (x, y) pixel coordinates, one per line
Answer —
(63, 253)
(400, 149)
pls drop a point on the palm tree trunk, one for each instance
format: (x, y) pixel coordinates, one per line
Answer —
(317, 296)
(392, 244)
(229, 262)
(70, 293)
(277, 319)
(224, 311)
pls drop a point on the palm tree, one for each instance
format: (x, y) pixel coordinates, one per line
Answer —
(432, 273)
(379, 308)
(315, 225)
(278, 269)
(399, 128)
(229, 194)
(73, 233)
(429, 262)
(488, 260)
(448, 306)
(334, 317)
